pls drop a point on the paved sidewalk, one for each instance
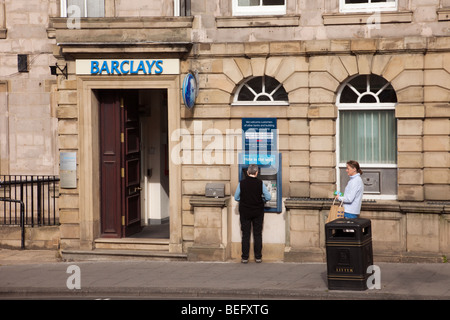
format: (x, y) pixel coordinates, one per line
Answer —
(44, 275)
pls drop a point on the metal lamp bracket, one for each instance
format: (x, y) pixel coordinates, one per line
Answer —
(63, 70)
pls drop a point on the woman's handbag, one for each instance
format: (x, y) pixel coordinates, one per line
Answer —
(336, 212)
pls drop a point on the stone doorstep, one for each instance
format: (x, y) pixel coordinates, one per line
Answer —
(133, 244)
(111, 254)
(124, 249)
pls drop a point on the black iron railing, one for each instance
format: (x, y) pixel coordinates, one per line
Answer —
(37, 195)
(22, 215)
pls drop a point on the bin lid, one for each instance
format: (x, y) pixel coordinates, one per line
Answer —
(345, 222)
(354, 230)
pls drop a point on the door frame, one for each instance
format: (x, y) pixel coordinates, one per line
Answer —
(89, 158)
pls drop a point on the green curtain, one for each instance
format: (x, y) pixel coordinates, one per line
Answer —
(368, 136)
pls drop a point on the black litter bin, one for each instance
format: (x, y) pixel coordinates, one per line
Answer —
(349, 253)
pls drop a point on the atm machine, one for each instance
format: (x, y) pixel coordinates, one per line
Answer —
(270, 174)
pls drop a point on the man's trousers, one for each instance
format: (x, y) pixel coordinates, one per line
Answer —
(247, 221)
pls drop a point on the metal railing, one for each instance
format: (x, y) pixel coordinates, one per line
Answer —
(22, 224)
(37, 195)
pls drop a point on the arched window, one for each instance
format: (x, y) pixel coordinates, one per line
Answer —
(367, 132)
(367, 89)
(263, 90)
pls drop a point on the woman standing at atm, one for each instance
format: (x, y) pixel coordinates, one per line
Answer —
(354, 190)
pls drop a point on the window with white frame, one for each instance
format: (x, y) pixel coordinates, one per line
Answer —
(258, 7)
(367, 133)
(82, 8)
(367, 5)
(263, 90)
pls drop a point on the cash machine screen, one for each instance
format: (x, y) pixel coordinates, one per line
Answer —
(272, 187)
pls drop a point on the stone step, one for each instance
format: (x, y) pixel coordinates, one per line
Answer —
(147, 244)
(111, 254)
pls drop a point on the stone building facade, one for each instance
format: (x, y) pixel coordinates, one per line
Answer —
(334, 59)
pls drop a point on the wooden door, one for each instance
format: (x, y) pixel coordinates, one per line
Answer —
(131, 157)
(110, 165)
(119, 163)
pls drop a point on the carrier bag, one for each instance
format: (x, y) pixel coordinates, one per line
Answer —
(336, 212)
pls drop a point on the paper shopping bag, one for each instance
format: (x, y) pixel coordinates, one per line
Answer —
(336, 212)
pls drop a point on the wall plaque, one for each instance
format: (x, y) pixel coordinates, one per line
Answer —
(68, 170)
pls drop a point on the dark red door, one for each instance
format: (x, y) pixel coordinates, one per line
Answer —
(119, 163)
(131, 163)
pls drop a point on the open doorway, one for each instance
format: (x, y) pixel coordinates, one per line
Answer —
(134, 168)
(154, 163)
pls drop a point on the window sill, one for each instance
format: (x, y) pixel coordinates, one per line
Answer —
(363, 18)
(127, 23)
(258, 21)
(423, 207)
(443, 15)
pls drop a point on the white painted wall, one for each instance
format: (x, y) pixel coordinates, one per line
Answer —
(155, 196)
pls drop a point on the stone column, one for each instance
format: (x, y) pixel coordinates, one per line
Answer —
(212, 229)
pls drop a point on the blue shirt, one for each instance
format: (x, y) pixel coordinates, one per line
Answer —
(353, 194)
(266, 193)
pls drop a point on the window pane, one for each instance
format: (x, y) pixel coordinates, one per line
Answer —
(359, 83)
(246, 3)
(245, 94)
(270, 84)
(256, 84)
(96, 8)
(368, 98)
(376, 83)
(280, 95)
(263, 97)
(273, 2)
(388, 95)
(75, 8)
(348, 96)
(356, 1)
(368, 136)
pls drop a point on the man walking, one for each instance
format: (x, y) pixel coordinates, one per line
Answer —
(252, 194)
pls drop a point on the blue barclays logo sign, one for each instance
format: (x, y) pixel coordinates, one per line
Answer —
(128, 67)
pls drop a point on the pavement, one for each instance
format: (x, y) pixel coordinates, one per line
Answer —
(40, 274)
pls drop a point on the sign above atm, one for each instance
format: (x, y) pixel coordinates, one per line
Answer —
(259, 140)
(128, 66)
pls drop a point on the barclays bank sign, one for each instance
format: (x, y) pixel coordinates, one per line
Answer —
(127, 66)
